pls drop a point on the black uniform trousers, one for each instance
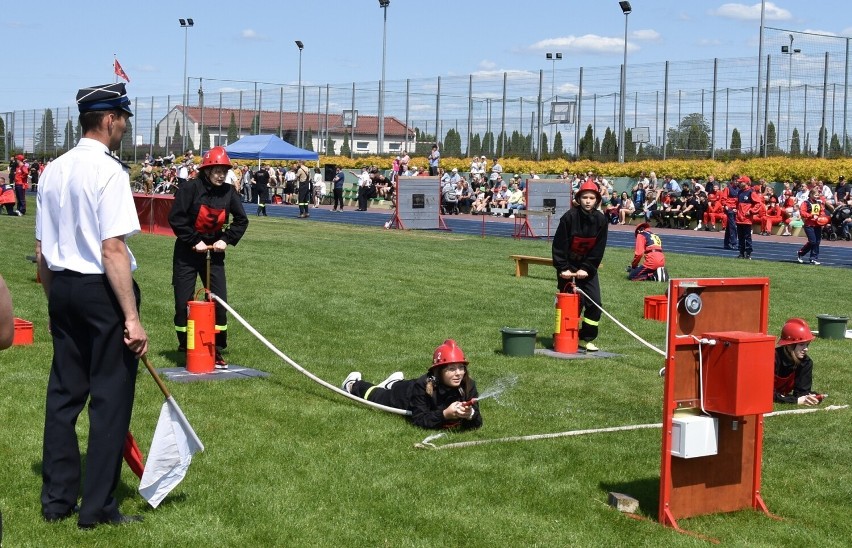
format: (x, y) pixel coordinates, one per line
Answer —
(363, 197)
(90, 361)
(590, 314)
(187, 267)
(338, 198)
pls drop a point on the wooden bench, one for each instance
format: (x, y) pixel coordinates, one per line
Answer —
(523, 262)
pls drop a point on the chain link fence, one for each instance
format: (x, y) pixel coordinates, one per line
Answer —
(692, 109)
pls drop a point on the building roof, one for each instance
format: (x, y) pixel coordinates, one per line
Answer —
(312, 121)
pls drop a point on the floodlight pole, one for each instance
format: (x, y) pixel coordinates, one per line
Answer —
(185, 24)
(626, 9)
(299, 107)
(381, 137)
(553, 57)
(789, 51)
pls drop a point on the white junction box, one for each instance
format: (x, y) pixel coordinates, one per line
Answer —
(694, 436)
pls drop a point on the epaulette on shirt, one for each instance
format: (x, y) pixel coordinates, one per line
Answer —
(124, 166)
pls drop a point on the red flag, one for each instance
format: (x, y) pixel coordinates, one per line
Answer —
(120, 71)
(133, 455)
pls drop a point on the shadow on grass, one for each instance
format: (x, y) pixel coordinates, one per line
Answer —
(122, 491)
(646, 491)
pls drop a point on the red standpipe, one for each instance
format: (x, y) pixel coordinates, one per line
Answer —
(566, 333)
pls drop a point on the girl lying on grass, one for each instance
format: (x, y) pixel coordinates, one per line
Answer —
(442, 398)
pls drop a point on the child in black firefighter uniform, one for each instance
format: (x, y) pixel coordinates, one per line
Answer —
(578, 248)
(199, 218)
(793, 366)
(442, 398)
(650, 246)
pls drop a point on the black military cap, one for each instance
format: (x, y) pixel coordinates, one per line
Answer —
(104, 97)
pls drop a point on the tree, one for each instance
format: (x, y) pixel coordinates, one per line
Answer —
(516, 144)
(475, 145)
(233, 132)
(176, 138)
(822, 142)
(309, 140)
(329, 146)
(736, 142)
(45, 138)
(424, 142)
(255, 125)
(795, 144)
(128, 140)
(771, 140)
(629, 146)
(502, 144)
(597, 150)
(558, 150)
(609, 148)
(68, 142)
(345, 150)
(157, 135)
(488, 144)
(205, 138)
(542, 145)
(587, 144)
(690, 138)
(452, 144)
(834, 150)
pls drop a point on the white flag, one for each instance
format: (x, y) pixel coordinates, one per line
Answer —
(171, 453)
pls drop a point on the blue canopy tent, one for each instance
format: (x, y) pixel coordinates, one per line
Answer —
(267, 147)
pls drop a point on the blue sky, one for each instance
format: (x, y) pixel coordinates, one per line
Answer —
(55, 51)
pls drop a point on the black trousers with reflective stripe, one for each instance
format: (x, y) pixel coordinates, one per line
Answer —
(187, 267)
(90, 362)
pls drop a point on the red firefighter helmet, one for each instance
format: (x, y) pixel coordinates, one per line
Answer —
(449, 352)
(823, 220)
(216, 156)
(641, 228)
(589, 185)
(795, 331)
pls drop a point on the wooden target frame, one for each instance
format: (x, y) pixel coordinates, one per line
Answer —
(729, 480)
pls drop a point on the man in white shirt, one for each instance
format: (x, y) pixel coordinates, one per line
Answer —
(85, 213)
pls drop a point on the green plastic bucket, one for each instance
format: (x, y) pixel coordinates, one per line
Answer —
(518, 342)
(832, 327)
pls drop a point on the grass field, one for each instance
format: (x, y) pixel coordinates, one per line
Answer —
(289, 463)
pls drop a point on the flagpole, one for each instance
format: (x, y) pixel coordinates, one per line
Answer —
(154, 374)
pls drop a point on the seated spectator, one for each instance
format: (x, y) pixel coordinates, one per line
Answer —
(663, 211)
(611, 206)
(715, 213)
(516, 201)
(771, 215)
(449, 198)
(500, 198)
(464, 195)
(481, 201)
(627, 209)
(649, 206)
(688, 213)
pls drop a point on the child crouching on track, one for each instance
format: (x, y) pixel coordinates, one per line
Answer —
(442, 398)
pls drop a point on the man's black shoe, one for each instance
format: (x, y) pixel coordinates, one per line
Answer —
(119, 519)
(59, 516)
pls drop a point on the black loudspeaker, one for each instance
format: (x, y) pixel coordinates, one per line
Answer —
(330, 172)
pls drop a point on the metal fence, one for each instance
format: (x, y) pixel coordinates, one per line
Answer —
(799, 107)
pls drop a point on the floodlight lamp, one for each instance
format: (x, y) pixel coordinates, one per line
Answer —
(559, 56)
(384, 3)
(785, 49)
(625, 7)
(797, 50)
(182, 22)
(299, 44)
(190, 21)
(549, 55)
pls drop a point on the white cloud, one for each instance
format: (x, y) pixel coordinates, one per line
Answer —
(588, 43)
(822, 32)
(499, 72)
(646, 35)
(487, 65)
(713, 42)
(744, 12)
(683, 16)
(846, 32)
(251, 34)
